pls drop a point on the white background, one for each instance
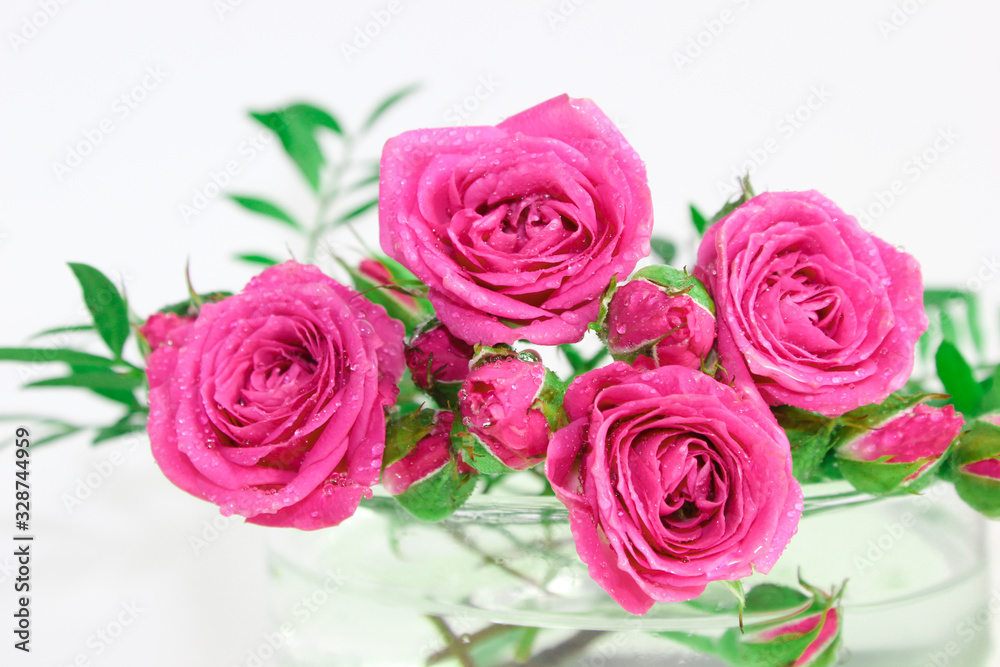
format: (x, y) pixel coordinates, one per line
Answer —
(873, 85)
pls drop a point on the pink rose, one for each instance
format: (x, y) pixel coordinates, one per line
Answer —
(672, 480)
(271, 404)
(503, 405)
(822, 314)
(648, 319)
(164, 329)
(517, 229)
(435, 357)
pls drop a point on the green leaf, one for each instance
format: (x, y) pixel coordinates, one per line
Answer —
(698, 220)
(665, 250)
(811, 438)
(252, 258)
(37, 355)
(766, 598)
(94, 379)
(267, 209)
(124, 426)
(522, 652)
(991, 396)
(958, 380)
(387, 104)
(438, 496)
(105, 305)
(296, 128)
(189, 307)
(70, 329)
(354, 213)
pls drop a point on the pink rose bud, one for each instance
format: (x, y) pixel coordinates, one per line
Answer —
(661, 313)
(165, 329)
(975, 466)
(387, 283)
(510, 407)
(436, 357)
(901, 451)
(422, 469)
(819, 632)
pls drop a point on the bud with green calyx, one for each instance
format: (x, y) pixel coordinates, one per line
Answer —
(662, 313)
(808, 636)
(421, 468)
(438, 362)
(975, 466)
(510, 406)
(388, 283)
(895, 445)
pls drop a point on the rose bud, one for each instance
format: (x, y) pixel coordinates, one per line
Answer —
(421, 468)
(899, 452)
(438, 361)
(387, 283)
(164, 329)
(976, 466)
(811, 639)
(510, 405)
(662, 313)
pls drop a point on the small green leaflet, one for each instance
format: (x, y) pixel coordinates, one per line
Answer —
(253, 258)
(356, 212)
(698, 220)
(387, 104)
(665, 250)
(42, 355)
(958, 380)
(296, 127)
(106, 306)
(267, 209)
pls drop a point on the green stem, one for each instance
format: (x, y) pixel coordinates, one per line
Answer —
(560, 654)
(327, 199)
(454, 647)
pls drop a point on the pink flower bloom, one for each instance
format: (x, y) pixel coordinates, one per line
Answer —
(164, 329)
(646, 319)
(434, 357)
(672, 480)
(822, 314)
(271, 404)
(517, 229)
(500, 404)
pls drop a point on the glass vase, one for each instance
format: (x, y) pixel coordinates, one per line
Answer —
(500, 583)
